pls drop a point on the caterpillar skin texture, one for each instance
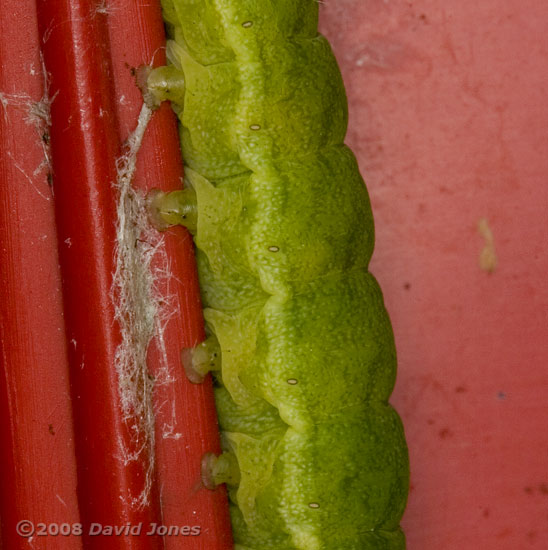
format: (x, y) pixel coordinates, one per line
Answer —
(284, 237)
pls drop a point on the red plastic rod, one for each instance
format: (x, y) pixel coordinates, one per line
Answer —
(37, 466)
(84, 147)
(89, 51)
(186, 425)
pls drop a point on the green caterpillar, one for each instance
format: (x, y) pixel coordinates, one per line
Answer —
(299, 339)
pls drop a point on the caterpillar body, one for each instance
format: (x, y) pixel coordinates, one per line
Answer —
(302, 347)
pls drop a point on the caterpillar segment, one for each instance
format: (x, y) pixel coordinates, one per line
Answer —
(300, 344)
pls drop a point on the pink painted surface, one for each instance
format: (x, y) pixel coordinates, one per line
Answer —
(449, 121)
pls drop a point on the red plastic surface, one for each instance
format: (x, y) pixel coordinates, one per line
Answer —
(449, 121)
(37, 468)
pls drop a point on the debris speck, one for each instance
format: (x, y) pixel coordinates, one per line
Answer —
(488, 257)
